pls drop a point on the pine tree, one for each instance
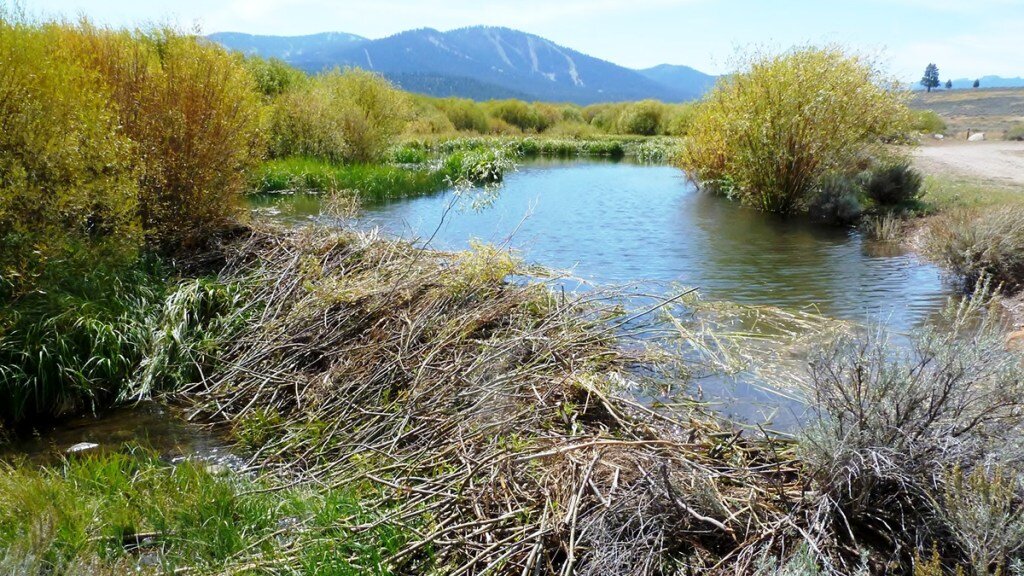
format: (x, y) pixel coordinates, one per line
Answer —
(949, 84)
(931, 77)
(977, 83)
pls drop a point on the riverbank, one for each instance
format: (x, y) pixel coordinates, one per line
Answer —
(476, 425)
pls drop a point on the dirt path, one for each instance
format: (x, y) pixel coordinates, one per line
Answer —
(1001, 162)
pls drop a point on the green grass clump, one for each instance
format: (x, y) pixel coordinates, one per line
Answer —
(1016, 132)
(103, 514)
(371, 181)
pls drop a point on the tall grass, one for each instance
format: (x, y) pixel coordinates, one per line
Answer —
(974, 243)
(129, 512)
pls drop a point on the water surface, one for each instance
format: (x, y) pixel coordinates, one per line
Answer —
(622, 223)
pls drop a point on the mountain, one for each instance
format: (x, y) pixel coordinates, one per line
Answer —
(986, 82)
(478, 62)
(299, 51)
(681, 78)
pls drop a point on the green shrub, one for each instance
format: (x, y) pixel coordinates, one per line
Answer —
(893, 184)
(641, 118)
(273, 77)
(836, 201)
(351, 116)
(1016, 132)
(928, 122)
(465, 115)
(192, 111)
(776, 128)
(976, 243)
(516, 113)
(67, 180)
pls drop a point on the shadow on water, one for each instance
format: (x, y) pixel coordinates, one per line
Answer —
(148, 424)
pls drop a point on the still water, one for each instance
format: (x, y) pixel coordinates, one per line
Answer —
(604, 224)
(615, 224)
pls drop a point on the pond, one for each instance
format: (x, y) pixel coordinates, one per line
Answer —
(619, 223)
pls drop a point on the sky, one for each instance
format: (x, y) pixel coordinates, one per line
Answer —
(965, 38)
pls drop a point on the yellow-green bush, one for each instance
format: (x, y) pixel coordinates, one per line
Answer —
(192, 111)
(67, 180)
(928, 121)
(641, 118)
(767, 134)
(464, 114)
(351, 116)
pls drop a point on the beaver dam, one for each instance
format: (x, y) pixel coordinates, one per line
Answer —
(477, 425)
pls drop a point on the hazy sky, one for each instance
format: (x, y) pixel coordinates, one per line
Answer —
(966, 38)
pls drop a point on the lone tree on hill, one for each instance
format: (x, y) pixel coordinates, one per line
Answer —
(977, 83)
(949, 84)
(931, 77)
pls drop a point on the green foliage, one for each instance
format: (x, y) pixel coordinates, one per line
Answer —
(192, 112)
(68, 191)
(350, 116)
(371, 181)
(74, 345)
(981, 242)
(1016, 132)
(893, 184)
(98, 514)
(641, 118)
(836, 200)
(931, 77)
(775, 129)
(465, 115)
(928, 122)
(273, 77)
(517, 113)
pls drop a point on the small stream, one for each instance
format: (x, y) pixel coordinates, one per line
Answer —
(646, 227)
(604, 224)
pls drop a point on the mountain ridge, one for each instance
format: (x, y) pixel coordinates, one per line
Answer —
(479, 62)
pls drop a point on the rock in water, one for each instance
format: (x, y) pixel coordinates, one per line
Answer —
(82, 447)
(976, 137)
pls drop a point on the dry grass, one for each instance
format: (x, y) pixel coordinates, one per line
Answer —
(484, 410)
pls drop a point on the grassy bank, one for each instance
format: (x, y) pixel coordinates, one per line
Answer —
(419, 167)
(130, 511)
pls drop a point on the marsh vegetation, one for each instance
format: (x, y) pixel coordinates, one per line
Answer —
(404, 410)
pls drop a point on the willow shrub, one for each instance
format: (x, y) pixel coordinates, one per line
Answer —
(192, 111)
(350, 116)
(769, 133)
(68, 185)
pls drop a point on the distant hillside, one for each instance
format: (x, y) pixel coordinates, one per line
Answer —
(299, 51)
(681, 78)
(479, 62)
(986, 82)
